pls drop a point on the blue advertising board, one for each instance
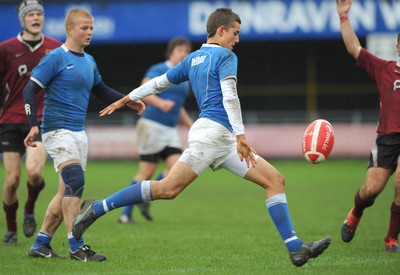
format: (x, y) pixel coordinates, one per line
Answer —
(158, 21)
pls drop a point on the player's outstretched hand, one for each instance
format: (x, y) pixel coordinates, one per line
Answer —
(135, 105)
(245, 151)
(28, 141)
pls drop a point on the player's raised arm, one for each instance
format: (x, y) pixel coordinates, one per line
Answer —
(350, 39)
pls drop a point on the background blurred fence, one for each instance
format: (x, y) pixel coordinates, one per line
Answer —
(269, 140)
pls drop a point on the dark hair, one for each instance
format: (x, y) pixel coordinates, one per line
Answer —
(398, 38)
(221, 17)
(178, 41)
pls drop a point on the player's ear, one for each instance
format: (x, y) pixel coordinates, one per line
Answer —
(220, 30)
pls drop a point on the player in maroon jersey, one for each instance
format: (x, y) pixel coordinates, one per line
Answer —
(18, 56)
(383, 161)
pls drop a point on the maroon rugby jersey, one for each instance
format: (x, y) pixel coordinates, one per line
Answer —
(17, 59)
(387, 77)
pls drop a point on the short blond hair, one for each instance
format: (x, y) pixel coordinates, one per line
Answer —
(75, 13)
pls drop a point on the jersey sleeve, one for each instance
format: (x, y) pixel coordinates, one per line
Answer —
(370, 63)
(46, 70)
(97, 76)
(179, 73)
(228, 65)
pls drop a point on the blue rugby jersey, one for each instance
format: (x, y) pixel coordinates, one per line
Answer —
(176, 93)
(204, 69)
(67, 79)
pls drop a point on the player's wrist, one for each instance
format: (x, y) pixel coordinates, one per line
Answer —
(343, 18)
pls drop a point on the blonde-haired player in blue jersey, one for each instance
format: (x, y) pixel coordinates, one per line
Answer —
(217, 138)
(67, 75)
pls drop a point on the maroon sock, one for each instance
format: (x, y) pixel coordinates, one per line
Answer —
(360, 204)
(33, 193)
(394, 226)
(11, 216)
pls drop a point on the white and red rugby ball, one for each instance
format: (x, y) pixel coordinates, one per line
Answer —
(318, 141)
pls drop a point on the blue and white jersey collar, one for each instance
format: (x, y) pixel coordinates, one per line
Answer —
(211, 45)
(64, 48)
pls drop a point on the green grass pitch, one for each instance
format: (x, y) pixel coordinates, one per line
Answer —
(218, 225)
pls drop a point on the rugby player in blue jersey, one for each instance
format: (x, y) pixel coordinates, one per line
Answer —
(217, 138)
(67, 75)
(157, 134)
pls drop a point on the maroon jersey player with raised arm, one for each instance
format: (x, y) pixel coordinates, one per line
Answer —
(385, 153)
(18, 56)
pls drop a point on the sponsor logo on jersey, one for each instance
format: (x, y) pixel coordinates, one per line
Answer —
(27, 109)
(198, 60)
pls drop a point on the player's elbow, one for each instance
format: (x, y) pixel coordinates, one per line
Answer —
(354, 51)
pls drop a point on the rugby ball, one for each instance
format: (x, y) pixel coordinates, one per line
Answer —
(318, 141)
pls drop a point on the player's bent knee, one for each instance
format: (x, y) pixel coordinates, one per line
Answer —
(12, 186)
(397, 180)
(34, 174)
(35, 178)
(12, 182)
(74, 180)
(280, 180)
(277, 183)
(370, 191)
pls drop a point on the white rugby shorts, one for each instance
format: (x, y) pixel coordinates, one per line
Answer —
(63, 145)
(153, 137)
(210, 144)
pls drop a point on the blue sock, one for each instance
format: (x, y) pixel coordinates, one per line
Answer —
(279, 212)
(74, 244)
(42, 239)
(130, 195)
(128, 209)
